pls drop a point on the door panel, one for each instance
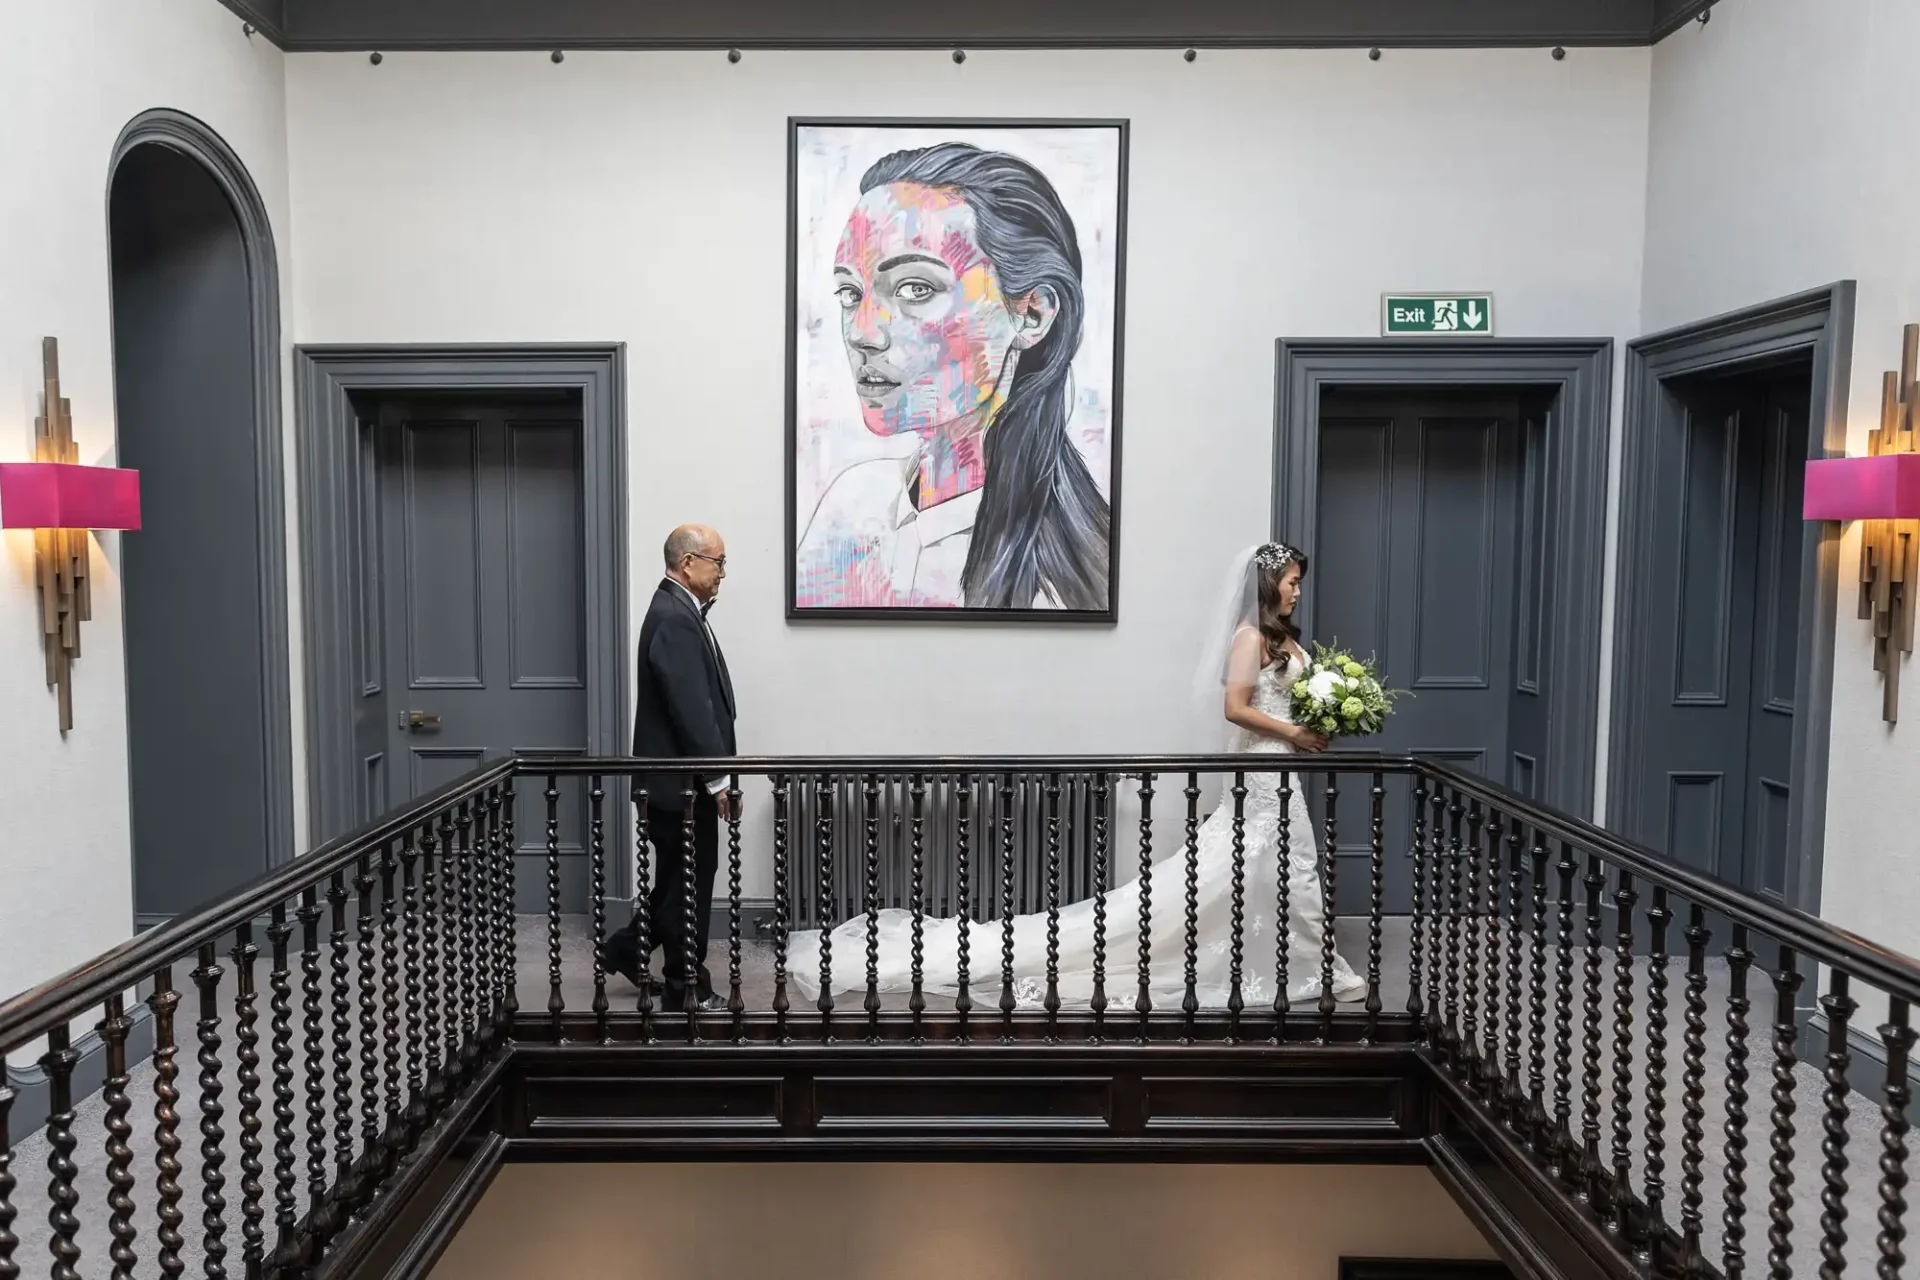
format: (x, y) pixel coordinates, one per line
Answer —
(1532, 607)
(545, 565)
(440, 540)
(1777, 634)
(1456, 548)
(1416, 561)
(1710, 528)
(1723, 625)
(481, 535)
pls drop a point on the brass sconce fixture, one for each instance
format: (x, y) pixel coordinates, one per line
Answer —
(61, 501)
(1882, 490)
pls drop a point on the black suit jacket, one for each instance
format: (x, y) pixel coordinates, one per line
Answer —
(683, 699)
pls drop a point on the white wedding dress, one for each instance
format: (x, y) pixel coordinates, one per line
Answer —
(1167, 918)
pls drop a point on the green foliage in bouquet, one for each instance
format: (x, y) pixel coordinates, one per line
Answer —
(1340, 696)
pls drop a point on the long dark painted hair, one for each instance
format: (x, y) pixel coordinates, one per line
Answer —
(1043, 526)
(1276, 628)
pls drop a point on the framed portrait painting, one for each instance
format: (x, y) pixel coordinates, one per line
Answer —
(954, 307)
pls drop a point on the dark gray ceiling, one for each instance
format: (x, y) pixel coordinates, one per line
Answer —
(309, 25)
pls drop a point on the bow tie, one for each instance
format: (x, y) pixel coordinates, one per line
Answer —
(706, 609)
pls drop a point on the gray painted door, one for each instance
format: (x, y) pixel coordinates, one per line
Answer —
(196, 688)
(481, 586)
(1724, 610)
(1429, 555)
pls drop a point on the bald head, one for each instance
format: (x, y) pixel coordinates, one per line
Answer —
(688, 540)
(696, 558)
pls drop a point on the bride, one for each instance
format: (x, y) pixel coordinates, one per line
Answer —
(1251, 662)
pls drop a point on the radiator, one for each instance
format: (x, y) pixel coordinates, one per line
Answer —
(844, 802)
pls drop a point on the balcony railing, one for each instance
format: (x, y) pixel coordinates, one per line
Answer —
(1620, 1067)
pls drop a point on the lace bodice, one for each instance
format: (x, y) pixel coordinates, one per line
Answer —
(1270, 698)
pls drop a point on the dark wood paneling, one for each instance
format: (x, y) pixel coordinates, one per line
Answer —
(1260, 1104)
(305, 25)
(990, 1104)
(1317, 1101)
(604, 1104)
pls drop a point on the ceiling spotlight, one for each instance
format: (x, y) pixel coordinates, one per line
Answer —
(1190, 55)
(959, 55)
(1373, 54)
(733, 55)
(376, 57)
(559, 56)
(1559, 54)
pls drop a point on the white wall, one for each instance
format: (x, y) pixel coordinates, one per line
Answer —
(1782, 159)
(72, 74)
(642, 197)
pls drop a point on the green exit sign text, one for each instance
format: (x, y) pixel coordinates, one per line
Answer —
(1442, 313)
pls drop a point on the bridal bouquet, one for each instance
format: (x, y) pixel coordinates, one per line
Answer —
(1340, 696)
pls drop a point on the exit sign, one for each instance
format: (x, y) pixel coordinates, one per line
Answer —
(1441, 313)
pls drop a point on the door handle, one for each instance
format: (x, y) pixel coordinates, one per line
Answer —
(418, 720)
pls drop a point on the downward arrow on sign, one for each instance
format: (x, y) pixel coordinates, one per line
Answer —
(1473, 315)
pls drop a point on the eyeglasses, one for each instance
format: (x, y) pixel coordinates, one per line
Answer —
(719, 562)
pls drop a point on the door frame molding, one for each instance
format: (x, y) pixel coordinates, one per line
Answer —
(325, 378)
(1819, 324)
(1579, 371)
(198, 141)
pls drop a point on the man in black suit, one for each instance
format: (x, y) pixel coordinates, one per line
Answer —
(683, 706)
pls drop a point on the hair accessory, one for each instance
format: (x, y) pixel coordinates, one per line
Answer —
(1273, 556)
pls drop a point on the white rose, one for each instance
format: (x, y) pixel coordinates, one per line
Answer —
(1322, 685)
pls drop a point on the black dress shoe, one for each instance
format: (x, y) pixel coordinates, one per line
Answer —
(674, 1000)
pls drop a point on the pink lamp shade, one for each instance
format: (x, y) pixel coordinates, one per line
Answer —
(1886, 487)
(64, 495)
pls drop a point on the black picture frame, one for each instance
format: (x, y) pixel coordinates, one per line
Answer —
(1421, 1269)
(790, 541)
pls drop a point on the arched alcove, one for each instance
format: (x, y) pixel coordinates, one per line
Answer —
(196, 335)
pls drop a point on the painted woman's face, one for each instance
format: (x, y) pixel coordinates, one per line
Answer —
(930, 336)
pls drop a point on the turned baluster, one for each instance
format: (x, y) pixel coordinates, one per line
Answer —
(736, 1004)
(1234, 1000)
(962, 856)
(1190, 1002)
(1786, 1058)
(1098, 1003)
(58, 1062)
(1897, 1094)
(1143, 1001)
(782, 896)
(246, 1035)
(597, 902)
(917, 1000)
(114, 1029)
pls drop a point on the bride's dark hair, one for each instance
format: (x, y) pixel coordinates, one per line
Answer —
(1269, 566)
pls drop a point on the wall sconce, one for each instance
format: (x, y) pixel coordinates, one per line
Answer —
(1882, 489)
(61, 501)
